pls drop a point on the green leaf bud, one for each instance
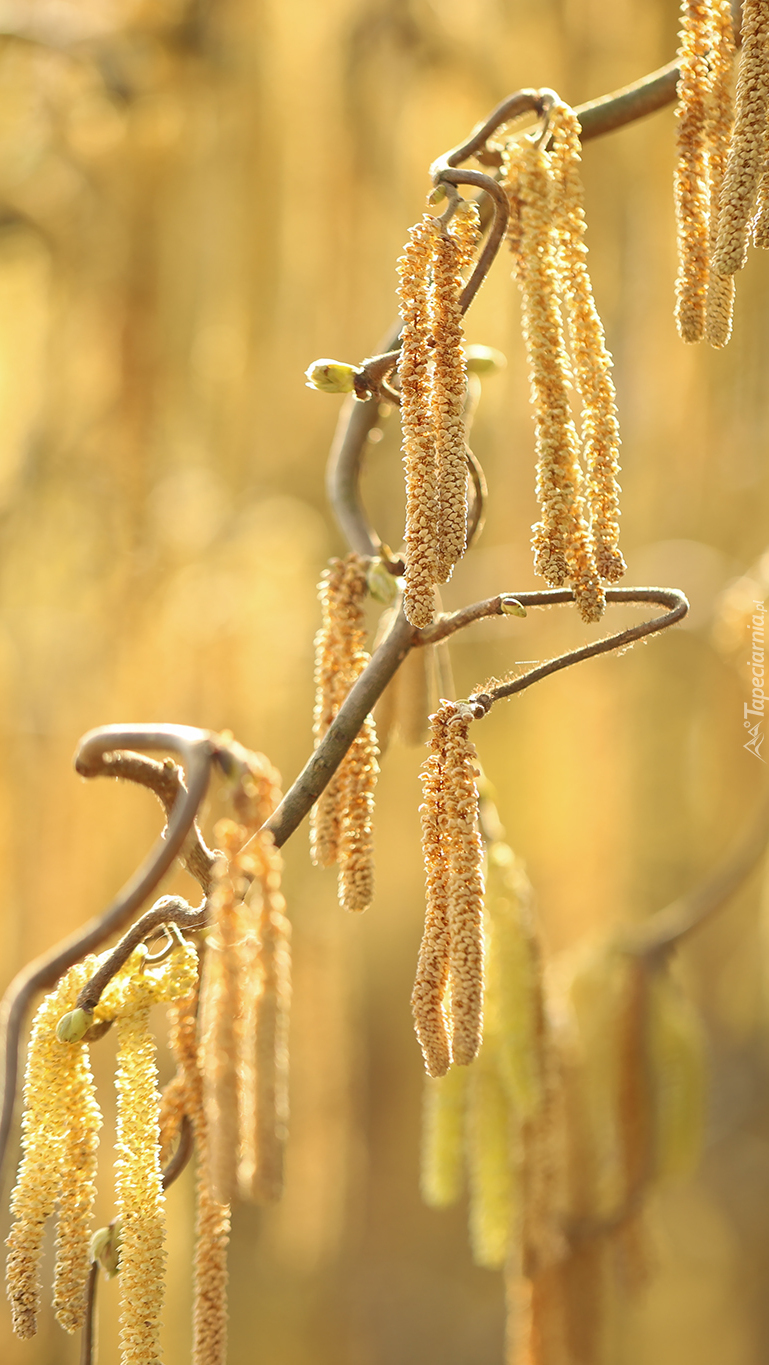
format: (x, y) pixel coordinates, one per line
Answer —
(330, 376)
(381, 584)
(512, 607)
(73, 1027)
(484, 360)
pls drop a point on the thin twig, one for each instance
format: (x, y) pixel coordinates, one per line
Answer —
(181, 1156)
(196, 748)
(88, 1338)
(168, 910)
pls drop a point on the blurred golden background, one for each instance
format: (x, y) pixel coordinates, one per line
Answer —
(196, 200)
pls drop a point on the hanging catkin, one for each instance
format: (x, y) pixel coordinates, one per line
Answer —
(452, 948)
(691, 186)
(419, 454)
(720, 296)
(341, 823)
(747, 152)
(592, 361)
(562, 548)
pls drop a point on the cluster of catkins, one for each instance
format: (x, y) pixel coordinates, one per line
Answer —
(60, 1131)
(722, 174)
(341, 822)
(576, 541)
(586, 1090)
(433, 382)
(229, 1036)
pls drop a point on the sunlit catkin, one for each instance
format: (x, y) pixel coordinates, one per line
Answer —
(677, 1076)
(221, 1007)
(465, 899)
(562, 549)
(748, 145)
(443, 1138)
(212, 1221)
(492, 1165)
(592, 361)
(263, 1068)
(691, 187)
(428, 1002)
(138, 1190)
(720, 296)
(419, 454)
(341, 823)
(453, 251)
(57, 1079)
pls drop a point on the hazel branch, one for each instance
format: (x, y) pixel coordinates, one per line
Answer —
(168, 910)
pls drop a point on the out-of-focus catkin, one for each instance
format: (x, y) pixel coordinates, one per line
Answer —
(419, 453)
(222, 1020)
(691, 186)
(443, 1138)
(492, 1166)
(341, 822)
(562, 548)
(748, 147)
(591, 359)
(513, 985)
(677, 1076)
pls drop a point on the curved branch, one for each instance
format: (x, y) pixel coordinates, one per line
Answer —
(168, 910)
(196, 748)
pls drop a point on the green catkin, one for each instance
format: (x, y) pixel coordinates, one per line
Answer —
(491, 1163)
(443, 1138)
(678, 1077)
(513, 970)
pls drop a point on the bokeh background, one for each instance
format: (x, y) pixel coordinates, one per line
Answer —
(196, 200)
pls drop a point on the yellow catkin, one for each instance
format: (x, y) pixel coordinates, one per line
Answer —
(329, 694)
(448, 379)
(748, 145)
(691, 185)
(465, 900)
(419, 454)
(221, 1012)
(212, 1222)
(513, 973)
(263, 1066)
(138, 1191)
(492, 1166)
(592, 361)
(341, 824)
(443, 1138)
(55, 1072)
(677, 1077)
(720, 297)
(76, 1194)
(428, 996)
(172, 1112)
(562, 548)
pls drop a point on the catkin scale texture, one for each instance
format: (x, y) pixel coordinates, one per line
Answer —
(691, 184)
(749, 141)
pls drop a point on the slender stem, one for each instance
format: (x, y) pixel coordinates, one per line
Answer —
(196, 748)
(88, 1338)
(181, 1156)
(319, 769)
(168, 910)
(498, 228)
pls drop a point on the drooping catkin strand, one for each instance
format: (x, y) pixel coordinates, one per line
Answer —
(341, 823)
(453, 251)
(677, 1077)
(56, 1076)
(172, 1113)
(592, 361)
(443, 1138)
(428, 996)
(720, 297)
(513, 985)
(749, 140)
(212, 1221)
(418, 448)
(139, 1191)
(221, 1019)
(465, 899)
(562, 549)
(76, 1194)
(492, 1164)
(691, 184)
(264, 1060)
